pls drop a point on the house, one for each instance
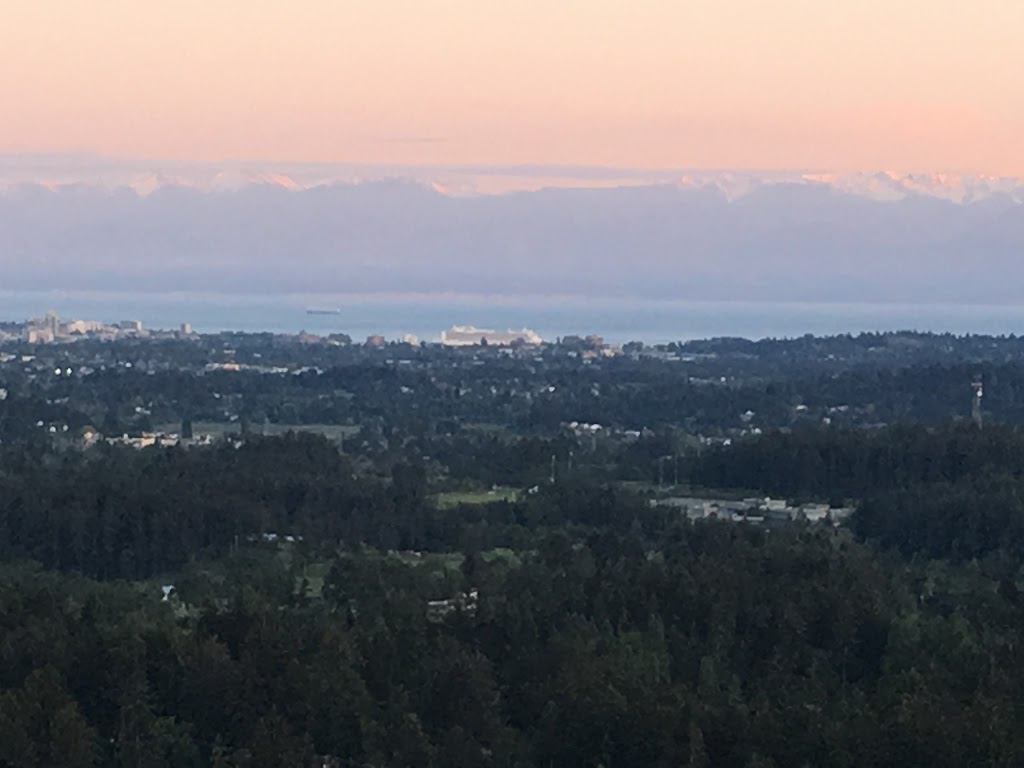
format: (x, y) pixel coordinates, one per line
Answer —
(814, 513)
(438, 610)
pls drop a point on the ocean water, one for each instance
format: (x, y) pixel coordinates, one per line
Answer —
(425, 315)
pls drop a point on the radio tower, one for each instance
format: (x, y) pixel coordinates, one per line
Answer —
(976, 387)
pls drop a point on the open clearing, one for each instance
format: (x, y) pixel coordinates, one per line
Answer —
(448, 499)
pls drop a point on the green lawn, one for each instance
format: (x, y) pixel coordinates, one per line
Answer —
(315, 575)
(448, 499)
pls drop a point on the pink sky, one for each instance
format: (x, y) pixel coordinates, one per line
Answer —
(846, 84)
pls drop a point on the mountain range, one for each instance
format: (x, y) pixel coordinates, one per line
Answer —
(144, 177)
(78, 222)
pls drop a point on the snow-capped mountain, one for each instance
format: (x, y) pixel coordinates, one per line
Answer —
(888, 185)
(788, 236)
(145, 178)
(881, 186)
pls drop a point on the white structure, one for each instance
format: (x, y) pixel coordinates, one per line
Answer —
(468, 335)
(39, 336)
(82, 327)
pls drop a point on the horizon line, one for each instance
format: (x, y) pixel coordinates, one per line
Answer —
(485, 166)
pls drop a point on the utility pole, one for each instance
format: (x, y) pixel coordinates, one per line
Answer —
(661, 469)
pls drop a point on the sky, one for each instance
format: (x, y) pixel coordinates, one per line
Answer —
(928, 85)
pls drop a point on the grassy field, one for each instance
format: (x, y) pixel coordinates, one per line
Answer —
(315, 574)
(449, 499)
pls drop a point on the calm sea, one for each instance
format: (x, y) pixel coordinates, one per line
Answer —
(424, 316)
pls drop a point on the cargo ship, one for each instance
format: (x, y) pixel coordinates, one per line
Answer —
(319, 311)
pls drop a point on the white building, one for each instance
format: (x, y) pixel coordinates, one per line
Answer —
(82, 327)
(39, 336)
(468, 335)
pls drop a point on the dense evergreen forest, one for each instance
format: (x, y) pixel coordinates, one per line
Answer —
(424, 589)
(605, 631)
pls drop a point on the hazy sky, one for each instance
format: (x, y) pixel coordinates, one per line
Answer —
(846, 84)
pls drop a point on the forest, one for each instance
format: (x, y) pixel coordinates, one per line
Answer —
(432, 591)
(605, 631)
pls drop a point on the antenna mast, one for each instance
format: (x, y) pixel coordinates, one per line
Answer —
(976, 387)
